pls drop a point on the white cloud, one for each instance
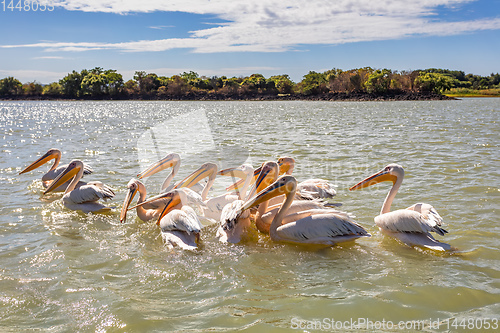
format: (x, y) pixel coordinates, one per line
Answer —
(276, 25)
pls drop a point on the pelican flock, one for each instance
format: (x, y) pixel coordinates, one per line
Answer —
(266, 200)
(308, 227)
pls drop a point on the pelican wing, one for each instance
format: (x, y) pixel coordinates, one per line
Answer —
(216, 205)
(231, 214)
(316, 188)
(233, 222)
(327, 228)
(193, 197)
(87, 169)
(179, 239)
(430, 214)
(184, 219)
(194, 201)
(411, 220)
(91, 192)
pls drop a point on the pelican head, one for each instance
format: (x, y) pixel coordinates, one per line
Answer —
(206, 170)
(284, 185)
(132, 189)
(168, 161)
(286, 165)
(267, 176)
(173, 198)
(239, 183)
(391, 173)
(51, 154)
(75, 167)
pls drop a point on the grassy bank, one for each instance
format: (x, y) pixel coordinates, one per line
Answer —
(466, 92)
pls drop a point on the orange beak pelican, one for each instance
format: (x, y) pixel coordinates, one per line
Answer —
(69, 173)
(381, 176)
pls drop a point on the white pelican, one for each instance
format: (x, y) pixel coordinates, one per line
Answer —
(173, 161)
(54, 170)
(237, 185)
(206, 170)
(144, 212)
(152, 207)
(84, 198)
(245, 172)
(180, 226)
(209, 210)
(233, 233)
(412, 225)
(234, 223)
(308, 227)
(268, 209)
(214, 205)
(314, 188)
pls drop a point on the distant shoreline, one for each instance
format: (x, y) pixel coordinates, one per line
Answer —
(204, 96)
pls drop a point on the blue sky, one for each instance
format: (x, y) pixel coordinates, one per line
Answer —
(239, 38)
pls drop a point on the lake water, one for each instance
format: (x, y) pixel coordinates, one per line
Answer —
(63, 271)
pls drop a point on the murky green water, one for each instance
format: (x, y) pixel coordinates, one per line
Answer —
(64, 271)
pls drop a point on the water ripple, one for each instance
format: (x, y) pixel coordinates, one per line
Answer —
(67, 271)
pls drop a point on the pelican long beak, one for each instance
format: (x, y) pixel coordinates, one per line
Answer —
(279, 187)
(239, 183)
(173, 201)
(206, 170)
(381, 176)
(266, 177)
(66, 175)
(167, 162)
(233, 172)
(126, 203)
(50, 155)
(161, 196)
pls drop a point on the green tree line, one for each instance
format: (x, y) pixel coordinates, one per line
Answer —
(98, 83)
